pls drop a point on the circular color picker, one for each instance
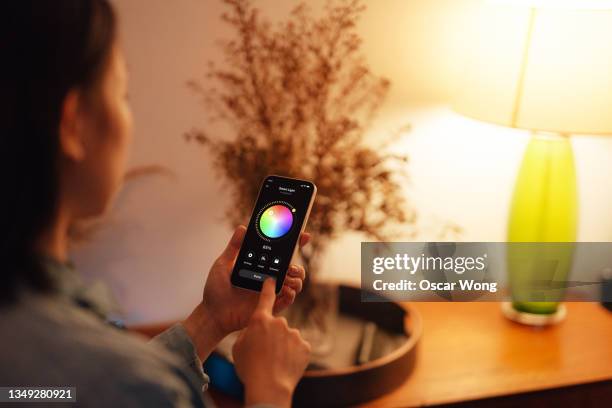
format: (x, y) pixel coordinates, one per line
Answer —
(275, 221)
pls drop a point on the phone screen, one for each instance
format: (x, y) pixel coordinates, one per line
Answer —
(273, 232)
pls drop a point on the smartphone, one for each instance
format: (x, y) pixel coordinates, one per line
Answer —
(273, 233)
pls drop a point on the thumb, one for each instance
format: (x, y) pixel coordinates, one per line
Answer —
(233, 246)
(267, 297)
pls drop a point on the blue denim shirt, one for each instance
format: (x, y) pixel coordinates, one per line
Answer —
(63, 339)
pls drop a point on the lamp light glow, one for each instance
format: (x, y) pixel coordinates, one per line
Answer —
(558, 4)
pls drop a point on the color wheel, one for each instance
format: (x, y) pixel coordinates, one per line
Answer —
(275, 221)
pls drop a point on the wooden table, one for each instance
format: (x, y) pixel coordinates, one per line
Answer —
(471, 355)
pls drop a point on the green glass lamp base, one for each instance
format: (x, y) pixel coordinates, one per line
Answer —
(543, 209)
(542, 308)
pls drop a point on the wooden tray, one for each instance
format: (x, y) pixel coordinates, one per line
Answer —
(352, 385)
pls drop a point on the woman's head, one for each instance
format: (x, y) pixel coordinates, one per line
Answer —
(95, 130)
(65, 125)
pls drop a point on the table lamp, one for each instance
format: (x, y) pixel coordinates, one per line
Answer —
(543, 66)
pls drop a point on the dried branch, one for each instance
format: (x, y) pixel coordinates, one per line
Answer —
(299, 97)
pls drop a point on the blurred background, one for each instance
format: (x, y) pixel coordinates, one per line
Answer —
(157, 246)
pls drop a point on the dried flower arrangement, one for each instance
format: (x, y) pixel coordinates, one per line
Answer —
(299, 97)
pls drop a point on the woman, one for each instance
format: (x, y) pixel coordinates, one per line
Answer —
(65, 135)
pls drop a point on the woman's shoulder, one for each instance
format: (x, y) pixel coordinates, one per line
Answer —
(47, 340)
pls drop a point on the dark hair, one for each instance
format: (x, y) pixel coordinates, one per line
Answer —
(47, 49)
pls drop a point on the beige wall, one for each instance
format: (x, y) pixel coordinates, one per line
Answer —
(165, 232)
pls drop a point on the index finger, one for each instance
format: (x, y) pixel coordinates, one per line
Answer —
(267, 297)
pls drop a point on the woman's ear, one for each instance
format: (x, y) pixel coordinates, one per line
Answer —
(71, 135)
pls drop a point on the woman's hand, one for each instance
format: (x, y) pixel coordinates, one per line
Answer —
(225, 308)
(270, 357)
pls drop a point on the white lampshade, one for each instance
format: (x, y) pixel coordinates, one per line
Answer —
(541, 68)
